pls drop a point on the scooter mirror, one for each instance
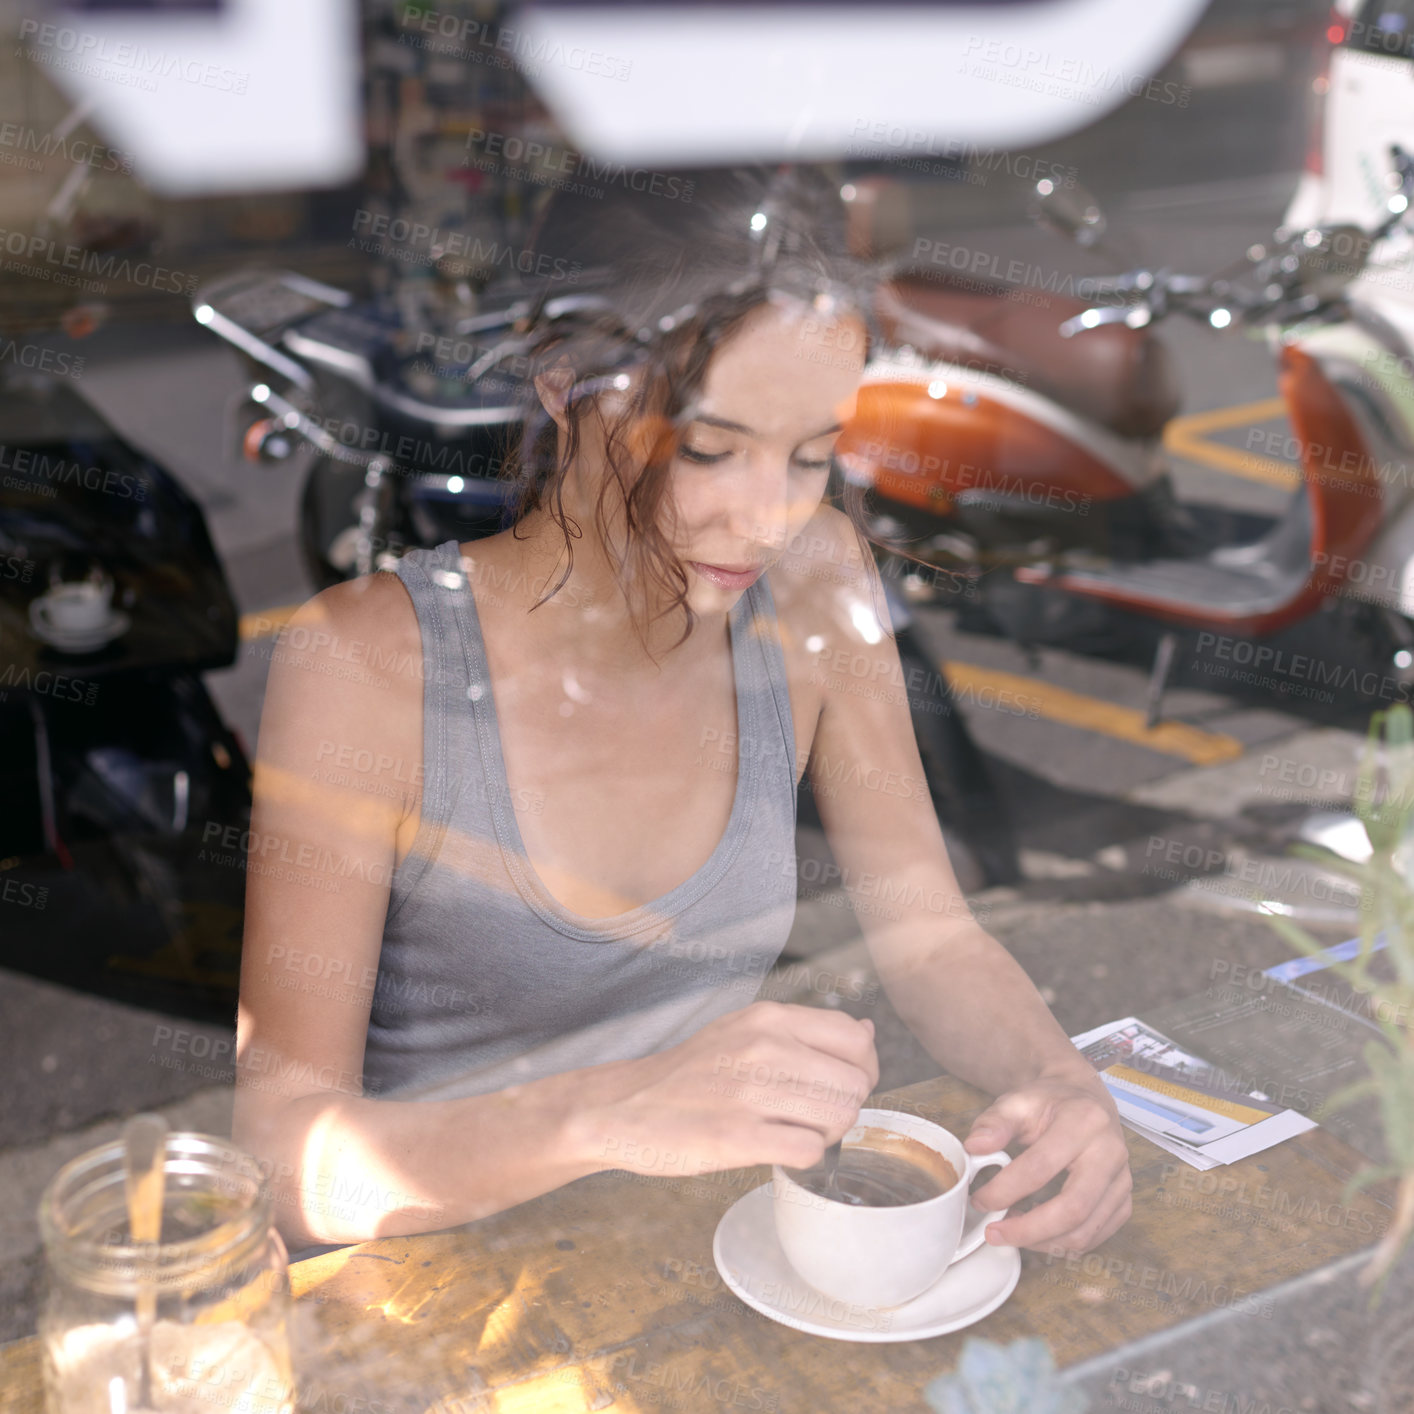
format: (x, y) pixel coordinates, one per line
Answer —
(1071, 210)
(1329, 258)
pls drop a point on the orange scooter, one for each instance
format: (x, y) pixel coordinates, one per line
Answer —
(1022, 441)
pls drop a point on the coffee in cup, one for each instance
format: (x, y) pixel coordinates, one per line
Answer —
(907, 1222)
(882, 1169)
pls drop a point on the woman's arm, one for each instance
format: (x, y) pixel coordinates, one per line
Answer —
(343, 704)
(957, 989)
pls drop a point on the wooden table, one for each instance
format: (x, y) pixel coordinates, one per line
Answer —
(603, 1294)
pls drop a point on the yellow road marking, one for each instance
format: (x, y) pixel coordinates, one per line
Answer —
(1219, 419)
(265, 623)
(1094, 714)
(1185, 437)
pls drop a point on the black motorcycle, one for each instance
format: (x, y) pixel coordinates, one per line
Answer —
(117, 772)
(410, 429)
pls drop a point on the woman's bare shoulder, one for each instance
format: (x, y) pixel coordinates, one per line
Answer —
(350, 659)
(373, 609)
(820, 583)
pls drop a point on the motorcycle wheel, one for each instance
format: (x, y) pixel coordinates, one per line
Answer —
(327, 520)
(970, 806)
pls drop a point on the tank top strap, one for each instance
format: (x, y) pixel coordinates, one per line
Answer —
(433, 579)
(765, 633)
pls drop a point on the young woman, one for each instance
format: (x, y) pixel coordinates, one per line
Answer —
(525, 808)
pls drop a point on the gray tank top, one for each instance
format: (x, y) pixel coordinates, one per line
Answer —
(484, 980)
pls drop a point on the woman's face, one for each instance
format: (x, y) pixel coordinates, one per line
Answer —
(754, 454)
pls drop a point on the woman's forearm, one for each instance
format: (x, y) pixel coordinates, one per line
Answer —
(978, 1014)
(346, 1168)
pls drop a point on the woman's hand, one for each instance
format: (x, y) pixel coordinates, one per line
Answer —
(1066, 1123)
(773, 1083)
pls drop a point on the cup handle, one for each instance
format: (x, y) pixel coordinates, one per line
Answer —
(974, 1233)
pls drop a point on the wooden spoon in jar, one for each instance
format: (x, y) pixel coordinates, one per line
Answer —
(145, 1179)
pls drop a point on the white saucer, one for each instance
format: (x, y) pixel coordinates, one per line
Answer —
(752, 1264)
(72, 640)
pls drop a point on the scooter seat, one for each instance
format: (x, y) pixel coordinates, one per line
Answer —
(1120, 377)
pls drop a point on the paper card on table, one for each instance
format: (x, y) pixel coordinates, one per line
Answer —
(1179, 1100)
(1253, 1140)
(1169, 1114)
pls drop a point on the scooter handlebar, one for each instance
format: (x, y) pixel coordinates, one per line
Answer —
(1134, 315)
(1212, 299)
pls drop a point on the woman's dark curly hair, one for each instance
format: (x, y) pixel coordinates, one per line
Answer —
(663, 283)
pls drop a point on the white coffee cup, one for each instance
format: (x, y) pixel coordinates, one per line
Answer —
(882, 1256)
(78, 605)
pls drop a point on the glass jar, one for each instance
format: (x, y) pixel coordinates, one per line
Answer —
(218, 1278)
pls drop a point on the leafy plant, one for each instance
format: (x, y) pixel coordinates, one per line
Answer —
(1019, 1378)
(1384, 802)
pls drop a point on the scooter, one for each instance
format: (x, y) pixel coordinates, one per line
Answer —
(116, 768)
(410, 420)
(1056, 473)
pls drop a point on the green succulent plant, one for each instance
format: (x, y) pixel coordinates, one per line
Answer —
(1384, 802)
(1020, 1378)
